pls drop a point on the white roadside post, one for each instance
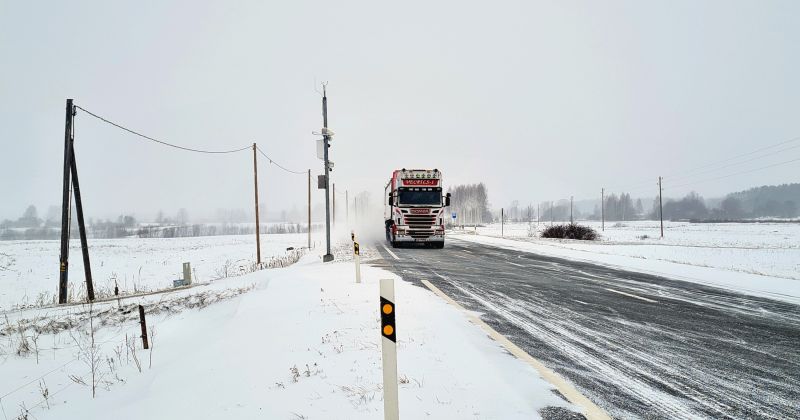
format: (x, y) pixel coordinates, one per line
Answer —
(357, 259)
(391, 405)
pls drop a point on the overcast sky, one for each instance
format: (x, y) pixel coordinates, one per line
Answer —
(539, 100)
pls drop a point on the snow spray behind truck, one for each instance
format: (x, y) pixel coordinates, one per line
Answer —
(414, 210)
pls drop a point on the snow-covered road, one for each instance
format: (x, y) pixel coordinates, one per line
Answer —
(638, 345)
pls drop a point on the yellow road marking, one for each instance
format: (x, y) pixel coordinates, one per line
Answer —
(591, 410)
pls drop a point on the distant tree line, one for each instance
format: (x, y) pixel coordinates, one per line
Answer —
(195, 230)
(767, 201)
(776, 201)
(617, 207)
(470, 202)
(621, 207)
(30, 227)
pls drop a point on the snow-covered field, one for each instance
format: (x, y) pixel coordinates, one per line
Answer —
(761, 258)
(294, 343)
(29, 269)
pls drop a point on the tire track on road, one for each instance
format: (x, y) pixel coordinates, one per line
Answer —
(698, 352)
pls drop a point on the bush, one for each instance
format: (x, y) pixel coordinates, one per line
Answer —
(570, 231)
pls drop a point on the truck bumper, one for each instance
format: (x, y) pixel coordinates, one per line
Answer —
(407, 238)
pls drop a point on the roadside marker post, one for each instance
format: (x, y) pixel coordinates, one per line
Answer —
(357, 259)
(143, 323)
(391, 405)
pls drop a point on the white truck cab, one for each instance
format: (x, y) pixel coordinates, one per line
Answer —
(414, 209)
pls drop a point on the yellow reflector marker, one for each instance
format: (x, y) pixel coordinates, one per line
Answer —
(387, 309)
(388, 330)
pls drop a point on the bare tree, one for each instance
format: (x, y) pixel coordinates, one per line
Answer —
(152, 344)
(89, 353)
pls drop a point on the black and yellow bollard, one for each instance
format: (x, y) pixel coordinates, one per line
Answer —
(357, 259)
(391, 405)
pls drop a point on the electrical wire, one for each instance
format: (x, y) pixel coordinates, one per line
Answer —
(734, 174)
(635, 187)
(279, 165)
(792, 140)
(159, 141)
(688, 176)
(698, 170)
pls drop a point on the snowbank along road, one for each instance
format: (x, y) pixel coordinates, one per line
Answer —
(638, 345)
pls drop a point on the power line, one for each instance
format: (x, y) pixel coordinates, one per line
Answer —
(792, 140)
(634, 187)
(684, 177)
(279, 165)
(737, 173)
(159, 141)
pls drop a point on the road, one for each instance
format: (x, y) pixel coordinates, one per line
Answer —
(638, 345)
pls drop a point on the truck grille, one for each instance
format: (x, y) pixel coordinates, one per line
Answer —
(420, 226)
(420, 221)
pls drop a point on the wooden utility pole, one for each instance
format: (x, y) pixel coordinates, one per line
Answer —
(603, 209)
(502, 218)
(660, 207)
(571, 220)
(65, 207)
(309, 209)
(255, 187)
(70, 182)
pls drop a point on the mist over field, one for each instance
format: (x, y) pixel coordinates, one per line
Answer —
(538, 101)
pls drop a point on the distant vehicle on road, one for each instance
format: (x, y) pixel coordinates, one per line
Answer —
(414, 208)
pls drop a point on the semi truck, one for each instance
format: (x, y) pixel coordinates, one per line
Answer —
(414, 209)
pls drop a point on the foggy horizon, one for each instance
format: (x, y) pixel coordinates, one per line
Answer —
(623, 94)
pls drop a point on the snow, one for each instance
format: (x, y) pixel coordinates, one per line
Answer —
(760, 259)
(292, 343)
(29, 269)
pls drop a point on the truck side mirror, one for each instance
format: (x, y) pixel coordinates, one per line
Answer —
(390, 199)
(447, 200)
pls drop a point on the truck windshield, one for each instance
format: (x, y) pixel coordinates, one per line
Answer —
(421, 196)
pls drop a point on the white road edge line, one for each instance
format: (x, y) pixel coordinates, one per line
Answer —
(518, 265)
(632, 295)
(591, 410)
(390, 252)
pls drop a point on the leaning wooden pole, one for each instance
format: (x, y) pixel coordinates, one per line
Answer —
(309, 209)
(76, 187)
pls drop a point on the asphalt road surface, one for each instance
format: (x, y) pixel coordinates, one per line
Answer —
(638, 345)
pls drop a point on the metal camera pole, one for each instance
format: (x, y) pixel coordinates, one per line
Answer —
(326, 138)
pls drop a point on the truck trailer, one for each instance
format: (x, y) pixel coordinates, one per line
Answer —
(414, 209)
